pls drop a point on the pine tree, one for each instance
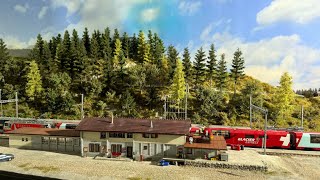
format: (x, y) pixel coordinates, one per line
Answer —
(125, 45)
(122, 62)
(172, 59)
(158, 50)
(117, 53)
(37, 51)
(77, 55)
(187, 66)
(199, 67)
(237, 68)
(142, 46)
(212, 64)
(47, 59)
(133, 48)
(116, 36)
(151, 43)
(4, 55)
(94, 49)
(146, 56)
(66, 49)
(34, 83)
(222, 74)
(106, 40)
(164, 71)
(178, 87)
(86, 41)
(284, 98)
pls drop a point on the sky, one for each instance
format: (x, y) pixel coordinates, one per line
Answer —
(275, 36)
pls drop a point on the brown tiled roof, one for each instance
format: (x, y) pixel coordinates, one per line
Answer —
(46, 132)
(160, 126)
(218, 143)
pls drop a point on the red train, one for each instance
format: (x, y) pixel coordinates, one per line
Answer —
(283, 139)
(9, 126)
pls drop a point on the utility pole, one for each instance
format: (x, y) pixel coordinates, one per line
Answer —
(82, 113)
(1, 103)
(250, 111)
(265, 131)
(186, 103)
(265, 111)
(302, 116)
(17, 105)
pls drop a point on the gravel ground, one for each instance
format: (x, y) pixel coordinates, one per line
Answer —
(74, 167)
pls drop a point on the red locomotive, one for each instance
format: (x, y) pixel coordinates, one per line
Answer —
(283, 139)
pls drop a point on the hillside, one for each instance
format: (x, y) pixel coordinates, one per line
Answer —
(133, 76)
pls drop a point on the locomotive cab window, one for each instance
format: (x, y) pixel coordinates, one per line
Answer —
(314, 138)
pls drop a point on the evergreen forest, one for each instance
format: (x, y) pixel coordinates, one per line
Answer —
(134, 75)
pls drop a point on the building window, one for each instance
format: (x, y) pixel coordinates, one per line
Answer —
(145, 135)
(117, 135)
(189, 151)
(93, 147)
(154, 135)
(129, 135)
(116, 148)
(145, 147)
(44, 140)
(69, 141)
(103, 135)
(249, 136)
(76, 142)
(53, 140)
(314, 138)
(60, 141)
(22, 139)
(26, 139)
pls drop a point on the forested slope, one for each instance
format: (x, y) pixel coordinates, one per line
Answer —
(131, 76)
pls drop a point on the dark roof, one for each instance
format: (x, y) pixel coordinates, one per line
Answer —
(217, 143)
(160, 126)
(46, 132)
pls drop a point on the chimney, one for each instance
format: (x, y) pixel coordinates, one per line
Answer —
(151, 124)
(112, 118)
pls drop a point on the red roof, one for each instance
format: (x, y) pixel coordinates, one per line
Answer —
(159, 126)
(46, 132)
(218, 143)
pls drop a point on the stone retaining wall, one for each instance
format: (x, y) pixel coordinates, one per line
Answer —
(227, 166)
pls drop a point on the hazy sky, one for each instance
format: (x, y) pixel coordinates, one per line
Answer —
(275, 36)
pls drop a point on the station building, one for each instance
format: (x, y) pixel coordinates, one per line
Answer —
(132, 138)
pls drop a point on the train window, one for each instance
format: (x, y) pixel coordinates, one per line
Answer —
(225, 134)
(314, 138)
(249, 136)
(262, 137)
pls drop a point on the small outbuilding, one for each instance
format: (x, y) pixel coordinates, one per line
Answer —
(58, 140)
(200, 148)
